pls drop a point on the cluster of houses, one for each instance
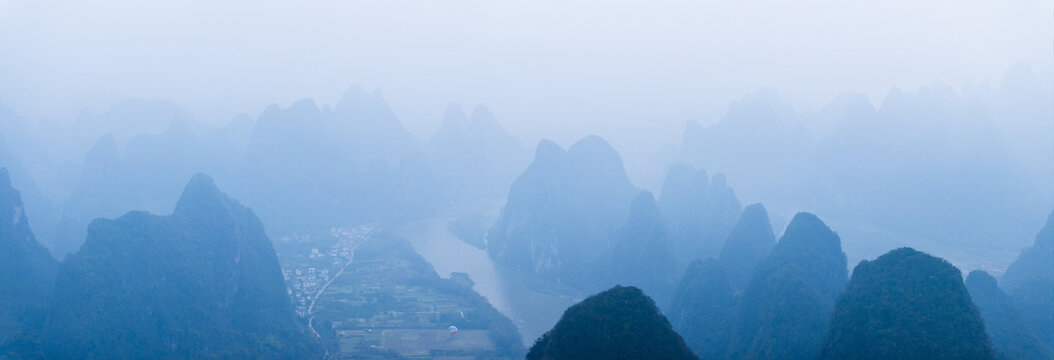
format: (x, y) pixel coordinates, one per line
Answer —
(307, 280)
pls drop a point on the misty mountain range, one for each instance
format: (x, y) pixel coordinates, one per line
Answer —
(99, 275)
(883, 168)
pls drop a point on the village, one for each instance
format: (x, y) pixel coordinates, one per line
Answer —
(307, 273)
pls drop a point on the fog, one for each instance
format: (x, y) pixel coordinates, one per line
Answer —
(552, 68)
(390, 179)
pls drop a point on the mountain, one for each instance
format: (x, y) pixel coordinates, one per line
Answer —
(1011, 336)
(157, 163)
(806, 271)
(703, 307)
(23, 143)
(30, 167)
(562, 212)
(681, 199)
(307, 168)
(124, 120)
(750, 242)
(368, 128)
(1035, 299)
(101, 192)
(451, 128)
(906, 305)
(350, 165)
(1021, 108)
(293, 142)
(477, 157)
(871, 165)
(700, 212)
(1035, 263)
(760, 142)
(203, 282)
(641, 253)
(38, 206)
(866, 166)
(620, 323)
(1030, 282)
(27, 270)
(147, 176)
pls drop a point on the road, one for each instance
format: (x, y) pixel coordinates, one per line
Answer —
(311, 308)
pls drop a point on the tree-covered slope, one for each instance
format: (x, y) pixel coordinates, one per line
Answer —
(620, 323)
(1011, 337)
(786, 306)
(702, 308)
(906, 305)
(202, 282)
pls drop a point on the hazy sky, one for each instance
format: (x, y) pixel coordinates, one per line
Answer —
(545, 68)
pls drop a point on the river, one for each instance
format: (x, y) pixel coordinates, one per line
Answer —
(534, 305)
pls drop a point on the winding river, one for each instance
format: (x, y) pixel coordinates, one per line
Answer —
(533, 305)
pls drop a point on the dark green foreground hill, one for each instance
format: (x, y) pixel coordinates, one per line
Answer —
(203, 282)
(620, 323)
(906, 305)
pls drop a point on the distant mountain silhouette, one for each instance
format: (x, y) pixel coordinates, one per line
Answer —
(203, 282)
(103, 191)
(23, 153)
(700, 212)
(620, 323)
(562, 212)
(862, 160)
(369, 129)
(43, 211)
(147, 176)
(23, 140)
(27, 270)
(703, 308)
(805, 271)
(307, 169)
(750, 242)
(124, 120)
(760, 142)
(477, 157)
(952, 139)
(906, 305)
(292, 149)
(641, 252)
(1011, 336)
(1021, 104)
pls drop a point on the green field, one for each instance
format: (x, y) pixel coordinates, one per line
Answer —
(390, 303)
